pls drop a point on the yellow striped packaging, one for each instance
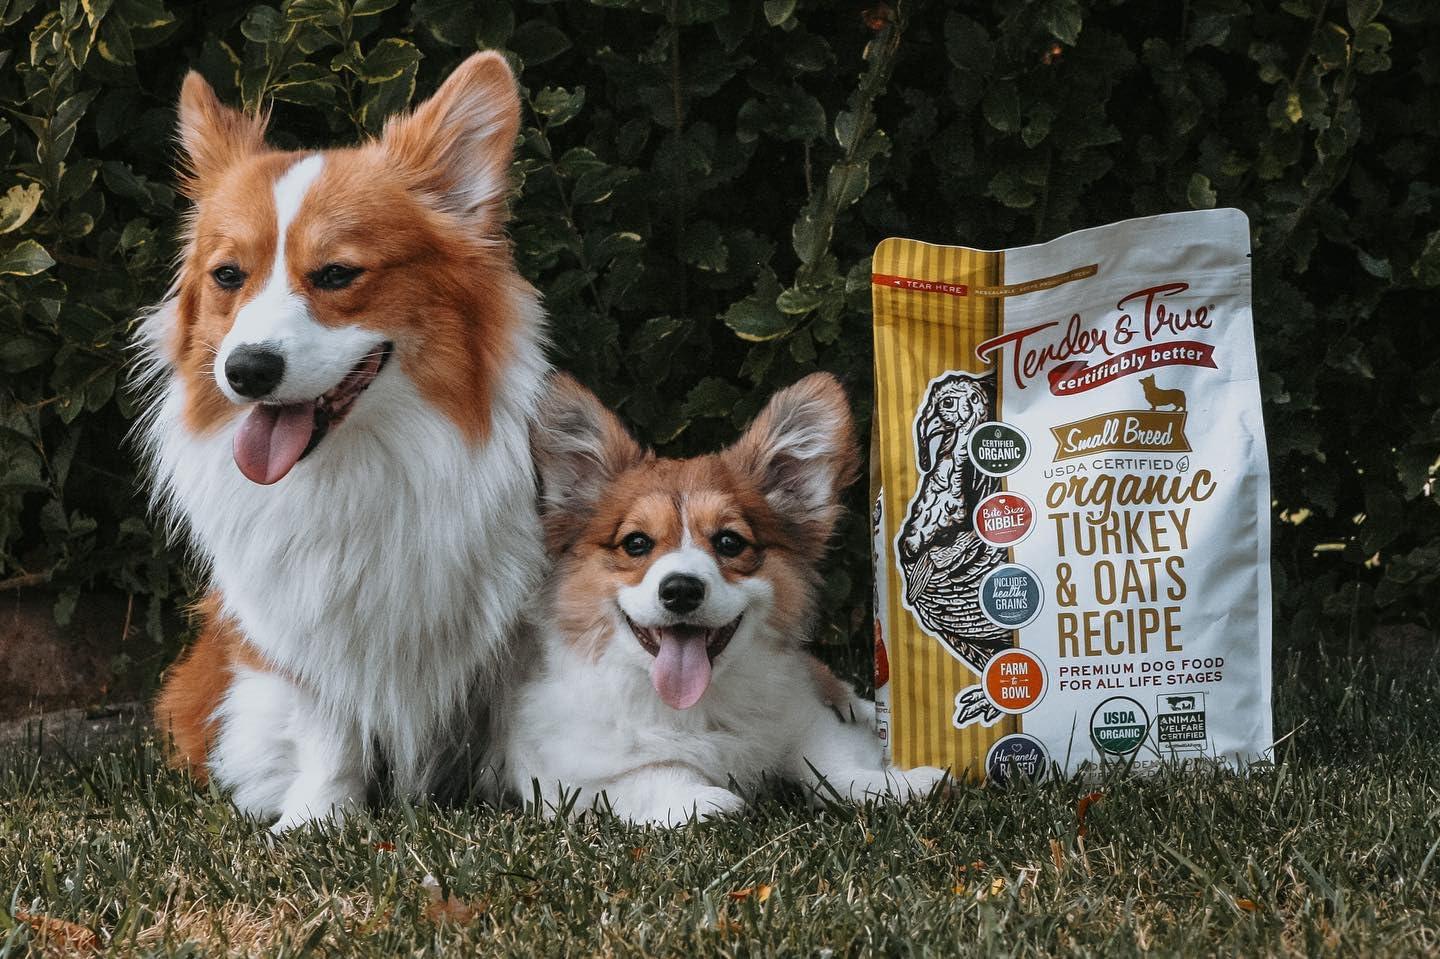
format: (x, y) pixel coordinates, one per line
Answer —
(1070, 493)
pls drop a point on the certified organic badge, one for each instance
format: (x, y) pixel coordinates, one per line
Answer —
(998, 449)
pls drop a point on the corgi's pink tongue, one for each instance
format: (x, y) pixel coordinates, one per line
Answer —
(272, 439)
(681, 671)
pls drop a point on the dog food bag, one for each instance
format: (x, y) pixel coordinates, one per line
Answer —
(1071, 501)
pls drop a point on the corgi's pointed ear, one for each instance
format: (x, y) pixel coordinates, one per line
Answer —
(212, 136)
(800, 451)
(579, 447)
(456, 147)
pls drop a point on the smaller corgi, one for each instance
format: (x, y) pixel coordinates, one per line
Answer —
(1157, 396)
(672, 680)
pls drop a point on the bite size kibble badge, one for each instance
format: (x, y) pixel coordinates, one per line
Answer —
(1004, 518)
(1119, 725)
(998, 449)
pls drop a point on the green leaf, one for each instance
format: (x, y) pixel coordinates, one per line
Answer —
(1376, 266)
(967, 44)
(327, 12)
(21, 353)
(368, 8)
(18, 205)
(1002, 107)
(797, 300)
(449, 21)
(1010, 188)
(778, 11)
(703, 247)
(847, 182)
(756, 318)
(711, 397)
(263, 25)
(1426, 268)
(537, 42)
(597, 185)
(388, 61)
(64, 608)
(1199, 193)
(114, 42)
(559, 105)
(1063, 21)
(387, 97)
(26, 258)
(144, 14)
(320, 92)
(1361, 12)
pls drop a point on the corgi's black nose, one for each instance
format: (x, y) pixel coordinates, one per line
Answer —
(681, 593)
(253, 371)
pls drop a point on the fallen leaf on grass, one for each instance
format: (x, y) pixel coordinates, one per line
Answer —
(383, 845)
(1057, 854)
(1249, 905)
(59, 932)
(450, 908)
(760, 892)
(639, 852)
(1082, 808)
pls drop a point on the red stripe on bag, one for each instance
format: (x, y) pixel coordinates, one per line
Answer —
(919, 286)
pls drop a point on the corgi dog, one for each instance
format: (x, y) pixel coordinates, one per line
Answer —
(343, 379)
(672, 679)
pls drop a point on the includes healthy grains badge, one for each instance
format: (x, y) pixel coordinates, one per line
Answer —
(1071, 500)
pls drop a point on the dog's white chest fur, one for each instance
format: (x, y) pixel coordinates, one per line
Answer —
(587, 723)
(387, 573)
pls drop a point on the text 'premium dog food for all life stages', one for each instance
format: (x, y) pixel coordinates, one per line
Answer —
(1071, 492)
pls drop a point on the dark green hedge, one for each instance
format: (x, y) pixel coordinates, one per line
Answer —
(700, 183)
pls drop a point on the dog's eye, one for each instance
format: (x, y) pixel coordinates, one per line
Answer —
(728, 543)
(637, 544)
(229, 276)
(334, 276)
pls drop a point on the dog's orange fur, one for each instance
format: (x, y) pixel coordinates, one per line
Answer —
(194, 686)
(437, 290)
(667, 498)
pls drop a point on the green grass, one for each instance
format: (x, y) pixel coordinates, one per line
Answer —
(1332, 852)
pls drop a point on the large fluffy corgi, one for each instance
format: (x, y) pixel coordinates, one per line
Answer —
(344, 378)
(673, 677)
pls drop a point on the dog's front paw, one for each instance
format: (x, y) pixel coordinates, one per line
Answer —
(705, 803)
(918, 783)
(300, 816)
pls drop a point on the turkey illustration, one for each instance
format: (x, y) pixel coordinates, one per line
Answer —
(942, 559)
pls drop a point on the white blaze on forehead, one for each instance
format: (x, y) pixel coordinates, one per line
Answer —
(316, 357)
(290, 190)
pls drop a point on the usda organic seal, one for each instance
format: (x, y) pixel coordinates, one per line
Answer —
(998, 449)
(1119, 725)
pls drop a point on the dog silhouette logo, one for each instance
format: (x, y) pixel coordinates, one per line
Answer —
(1158, 397)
